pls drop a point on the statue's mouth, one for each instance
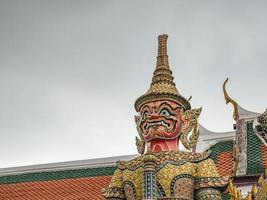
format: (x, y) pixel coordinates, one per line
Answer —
(156, 123)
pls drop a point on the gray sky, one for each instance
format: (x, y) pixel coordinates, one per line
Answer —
(70, 71)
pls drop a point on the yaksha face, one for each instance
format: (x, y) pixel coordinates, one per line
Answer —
(164, 113)
(160, 120)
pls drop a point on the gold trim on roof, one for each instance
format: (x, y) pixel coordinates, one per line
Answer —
(234, 192)
(162, 86)
(228, 99)
(258, 191)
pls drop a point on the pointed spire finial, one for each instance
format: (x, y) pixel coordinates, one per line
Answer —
(162, 71)
(162, 59)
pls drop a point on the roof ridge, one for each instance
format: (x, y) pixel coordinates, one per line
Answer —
(69, 165)
(57, 175)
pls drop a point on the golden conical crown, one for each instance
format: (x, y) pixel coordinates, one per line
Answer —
(162, 86)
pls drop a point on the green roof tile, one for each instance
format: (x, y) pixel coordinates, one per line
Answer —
(220, 147)
(56, 175)
(254, 156)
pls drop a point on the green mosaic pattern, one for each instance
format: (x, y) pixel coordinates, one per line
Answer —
(56, 175)
(226, 196)
(254, 156)
(220, 147)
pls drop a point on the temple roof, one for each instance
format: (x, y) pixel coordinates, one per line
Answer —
(244, 113)
(207, 138)
(64, 166)
(222, 151)
(222, 154)
(256, 153)
(63, 188)
(67, 180)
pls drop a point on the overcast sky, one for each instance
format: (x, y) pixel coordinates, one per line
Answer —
(70, 71)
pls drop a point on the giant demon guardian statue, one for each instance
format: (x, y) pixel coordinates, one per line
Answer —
(162, 171)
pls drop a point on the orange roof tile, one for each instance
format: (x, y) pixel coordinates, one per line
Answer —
(65, 189)
(264, 156)
(225, 163)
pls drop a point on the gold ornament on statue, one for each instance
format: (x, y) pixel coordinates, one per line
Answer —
(139, 142)
(189, 118)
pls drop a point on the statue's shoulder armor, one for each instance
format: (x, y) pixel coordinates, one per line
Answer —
(208, 175)
(130, 164)
(164, 157)
(178, 156)
(198, 157)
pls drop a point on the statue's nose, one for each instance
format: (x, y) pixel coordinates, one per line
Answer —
(154, 116)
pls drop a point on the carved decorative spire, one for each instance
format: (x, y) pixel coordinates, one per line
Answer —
(162, 59)
(162, 72)
(162, 86)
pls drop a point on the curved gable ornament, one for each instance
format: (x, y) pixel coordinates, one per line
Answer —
(228, 99)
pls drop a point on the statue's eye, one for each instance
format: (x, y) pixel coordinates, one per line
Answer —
(145, 115)
(164, 112)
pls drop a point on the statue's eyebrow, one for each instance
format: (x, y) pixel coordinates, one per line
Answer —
(167, 104)
(145, 107)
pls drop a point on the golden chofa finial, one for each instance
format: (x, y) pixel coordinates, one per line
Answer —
(228, 99)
